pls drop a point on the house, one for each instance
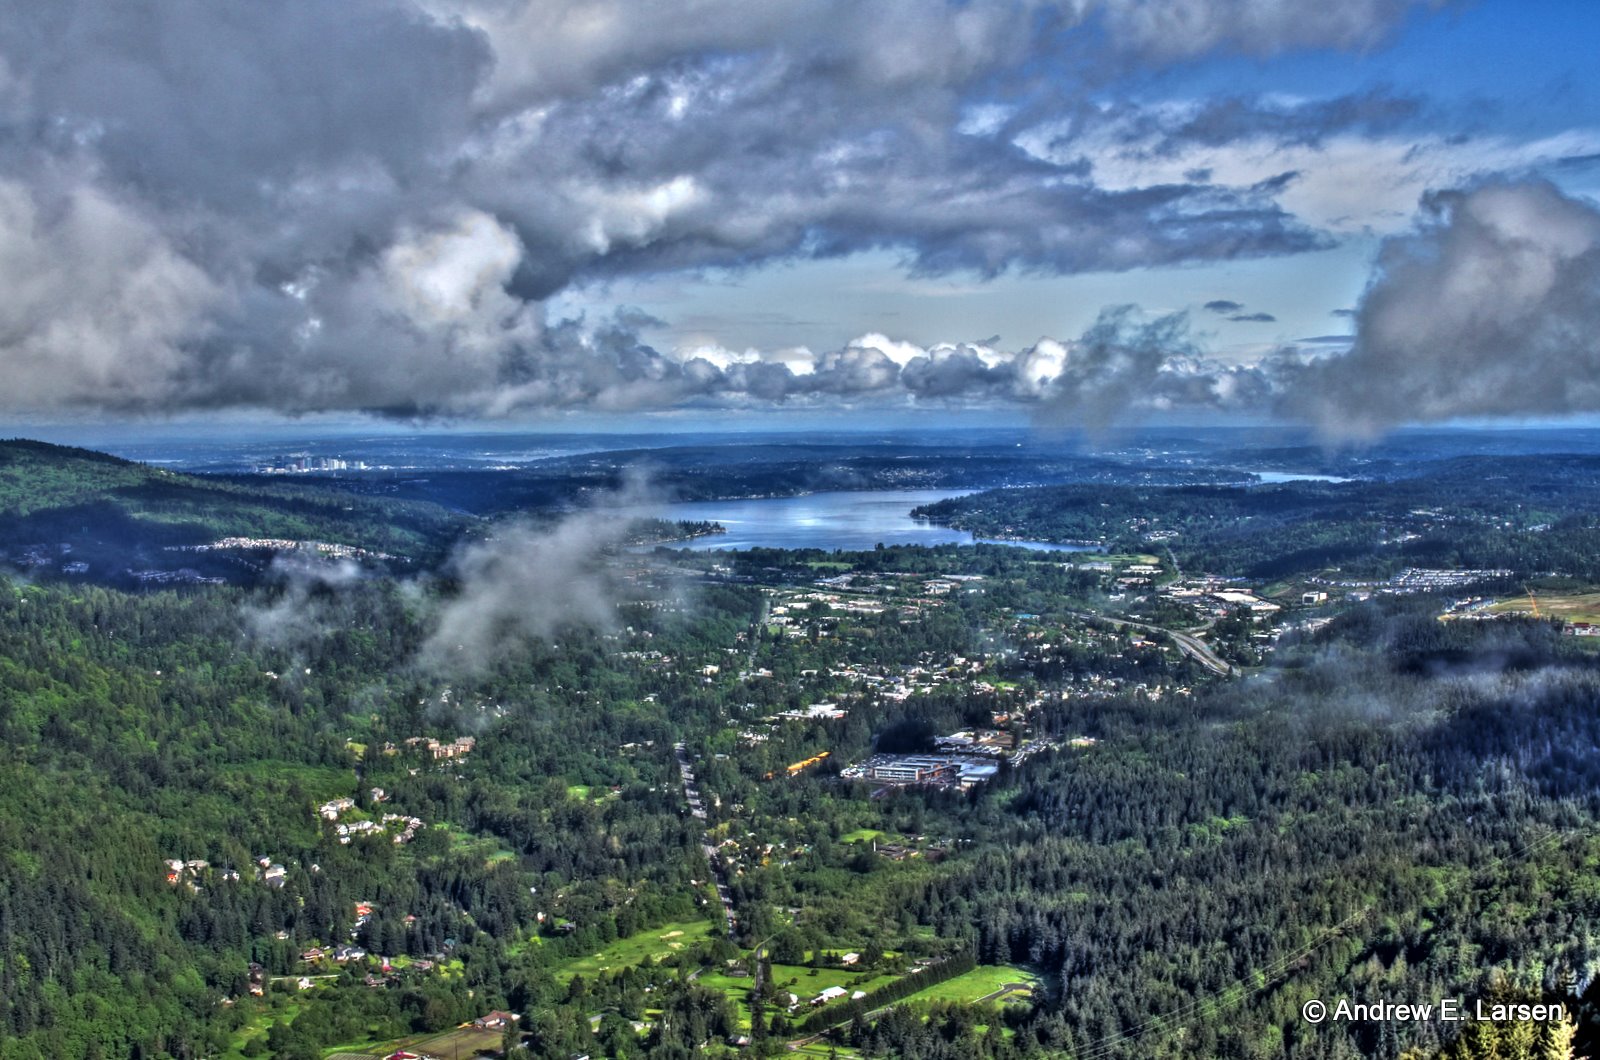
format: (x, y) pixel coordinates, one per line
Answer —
(495, 1020)
(828, 995)
(849, 958)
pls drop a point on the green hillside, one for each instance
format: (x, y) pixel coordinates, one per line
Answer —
(64, 509)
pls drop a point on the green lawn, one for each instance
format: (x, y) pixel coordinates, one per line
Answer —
(812, 981)
(980, 982)
(862, 835)
(646, 945)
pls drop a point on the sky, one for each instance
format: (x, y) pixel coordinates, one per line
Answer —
(1081, 213)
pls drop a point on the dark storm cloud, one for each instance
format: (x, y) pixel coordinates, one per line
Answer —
(362, 204)
(232, 104)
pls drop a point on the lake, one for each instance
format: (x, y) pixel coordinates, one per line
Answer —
(851, 520)
(1270, 478)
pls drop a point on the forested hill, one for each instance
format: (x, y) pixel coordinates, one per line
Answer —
(77, 513)
(1527, 514)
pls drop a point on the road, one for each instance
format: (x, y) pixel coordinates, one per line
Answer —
(1190, 645)
(1006, 988)
(697, 809)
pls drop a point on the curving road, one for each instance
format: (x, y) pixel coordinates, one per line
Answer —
(1188, 643)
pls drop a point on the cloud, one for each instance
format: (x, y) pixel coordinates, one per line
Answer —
(1116, 363)
(529, 582)
(1177, 28)
(1253, 318)
(1486, 307)
(367, 204)
(100, 305)
(1351, 165)
(310, 600)
(1490, 308)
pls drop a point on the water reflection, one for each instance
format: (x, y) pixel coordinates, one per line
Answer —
(851, 520)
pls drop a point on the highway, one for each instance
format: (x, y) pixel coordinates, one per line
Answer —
(1188, 643)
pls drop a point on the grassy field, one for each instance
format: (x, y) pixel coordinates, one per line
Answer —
(461, 1042)
(476, 846)
(646, 945)
(735, 988)
(807, 984)
(1569, 607)
(862, 835)
(281, 1009)
(1124, 558)
(980, 982)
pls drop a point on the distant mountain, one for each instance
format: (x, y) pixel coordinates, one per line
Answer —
(76, 513)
